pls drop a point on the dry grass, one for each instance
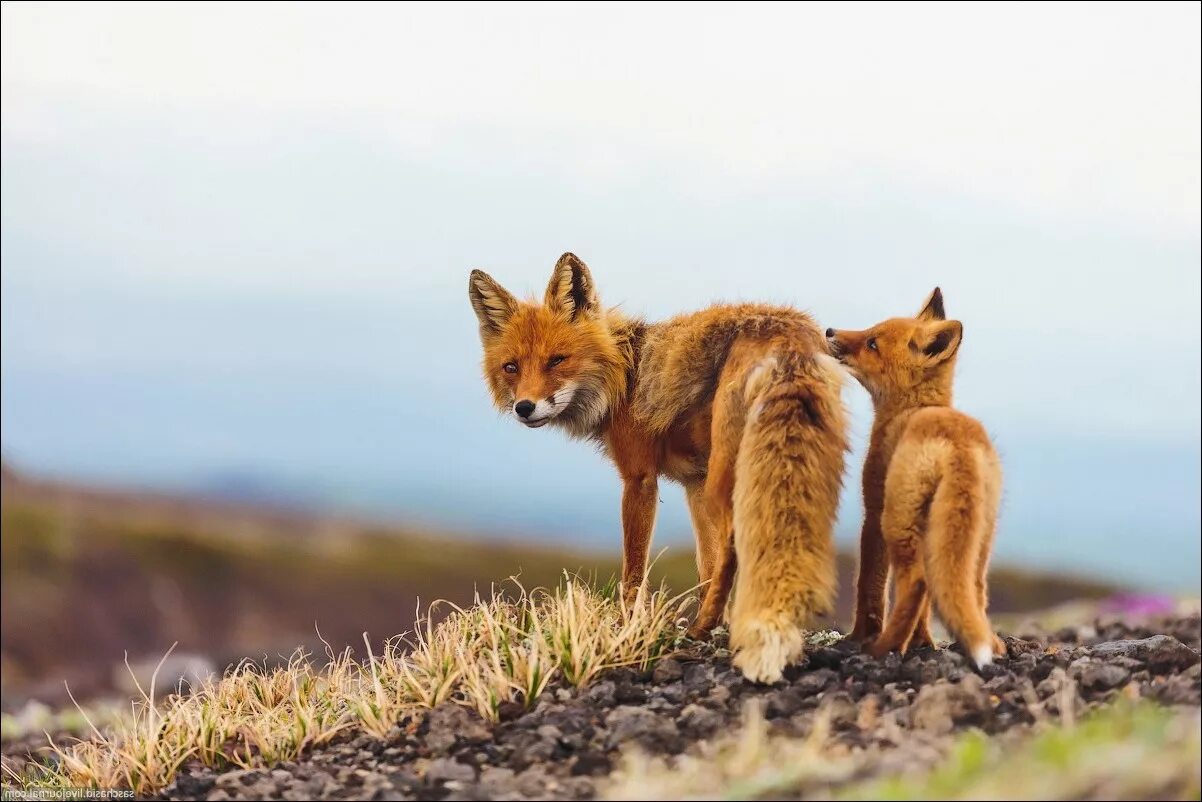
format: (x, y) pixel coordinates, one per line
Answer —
(506, 648)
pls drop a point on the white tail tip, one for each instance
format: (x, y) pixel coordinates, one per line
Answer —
(982, 655)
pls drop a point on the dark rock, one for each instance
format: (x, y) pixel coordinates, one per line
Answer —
(628, 693)
(1102, 677)
(942, 706)
(510, 710)
(628, 723)
(814, 682)
(196, 785)
(667, 670)
(699, 722)
(785, 702)
(698, 677)
(445, 769)
(1160, 652)
(601, 694)
(592, 764)
(825, 657)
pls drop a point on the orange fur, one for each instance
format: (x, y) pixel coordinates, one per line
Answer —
(932, 484)
(734, 402)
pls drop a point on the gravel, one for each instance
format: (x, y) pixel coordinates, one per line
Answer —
(565, 746)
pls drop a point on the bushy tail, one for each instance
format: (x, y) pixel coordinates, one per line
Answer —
(787, 480)
(956, 537)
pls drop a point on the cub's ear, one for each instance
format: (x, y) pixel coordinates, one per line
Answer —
(933, 308)
(571, 288)
(493, 303)
(939, 341)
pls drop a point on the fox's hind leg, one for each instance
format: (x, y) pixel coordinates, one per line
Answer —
(903, 528)
(922, 633)
(910, 599)
(715, 503)
(716, 593)
(992, 499)
(708, 541)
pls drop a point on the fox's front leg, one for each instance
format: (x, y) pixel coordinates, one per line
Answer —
(640, 493)
(873, 573)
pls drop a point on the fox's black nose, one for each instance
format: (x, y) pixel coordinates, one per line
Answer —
(524, 408)
(830, 333)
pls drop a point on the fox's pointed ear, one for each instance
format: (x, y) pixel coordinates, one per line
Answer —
(939, 341)
(493, 303)
(933, 308)
(571, 288)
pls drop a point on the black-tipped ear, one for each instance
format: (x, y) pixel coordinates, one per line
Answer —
(933, 308)
(571, 288)
(941, 340)
(493, 303)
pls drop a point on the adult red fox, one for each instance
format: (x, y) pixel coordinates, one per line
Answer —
(736, 402)
(932, 483)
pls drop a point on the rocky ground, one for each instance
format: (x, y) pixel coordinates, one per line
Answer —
(571, 741)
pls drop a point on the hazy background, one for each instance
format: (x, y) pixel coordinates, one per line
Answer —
(235, 241)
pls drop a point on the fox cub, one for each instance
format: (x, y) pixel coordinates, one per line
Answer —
(932, 483)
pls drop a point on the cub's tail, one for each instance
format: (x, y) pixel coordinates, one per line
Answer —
(787, 480)
(957, 550)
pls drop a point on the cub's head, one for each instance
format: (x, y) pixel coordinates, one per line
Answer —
(902, 353)
(554, 361)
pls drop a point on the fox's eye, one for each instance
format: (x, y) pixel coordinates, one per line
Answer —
(510, 367)
(872, 343)
(555, 360)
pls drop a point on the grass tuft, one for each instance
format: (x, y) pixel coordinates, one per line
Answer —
(507, 647)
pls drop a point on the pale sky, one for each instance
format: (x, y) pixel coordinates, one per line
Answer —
(236, 237)
(1084, 111)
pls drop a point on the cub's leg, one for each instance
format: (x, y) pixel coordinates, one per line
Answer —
(910, 598)
(922, 633)
(909, 486)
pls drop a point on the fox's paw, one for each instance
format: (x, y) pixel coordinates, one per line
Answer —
(923, 639)
(864, 631)
(999, 647)
(982, 654)
(878, 648)
(763, 650)
(698, 632)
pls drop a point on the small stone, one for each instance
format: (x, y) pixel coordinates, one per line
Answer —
(549, 732)
(631, 693)
(700, 721)
(825, 657)
(784, 703)
(238, 778)
(1159, 652)
(1103, 677)
(813, 682)
(699, 677)
(445, 769)
(601, 694)
(630, 723)
(457, 722)
(667, 670)
(496, 779)
(940, 707)
(592, 764)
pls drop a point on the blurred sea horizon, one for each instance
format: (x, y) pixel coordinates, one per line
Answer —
(1116, 528)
